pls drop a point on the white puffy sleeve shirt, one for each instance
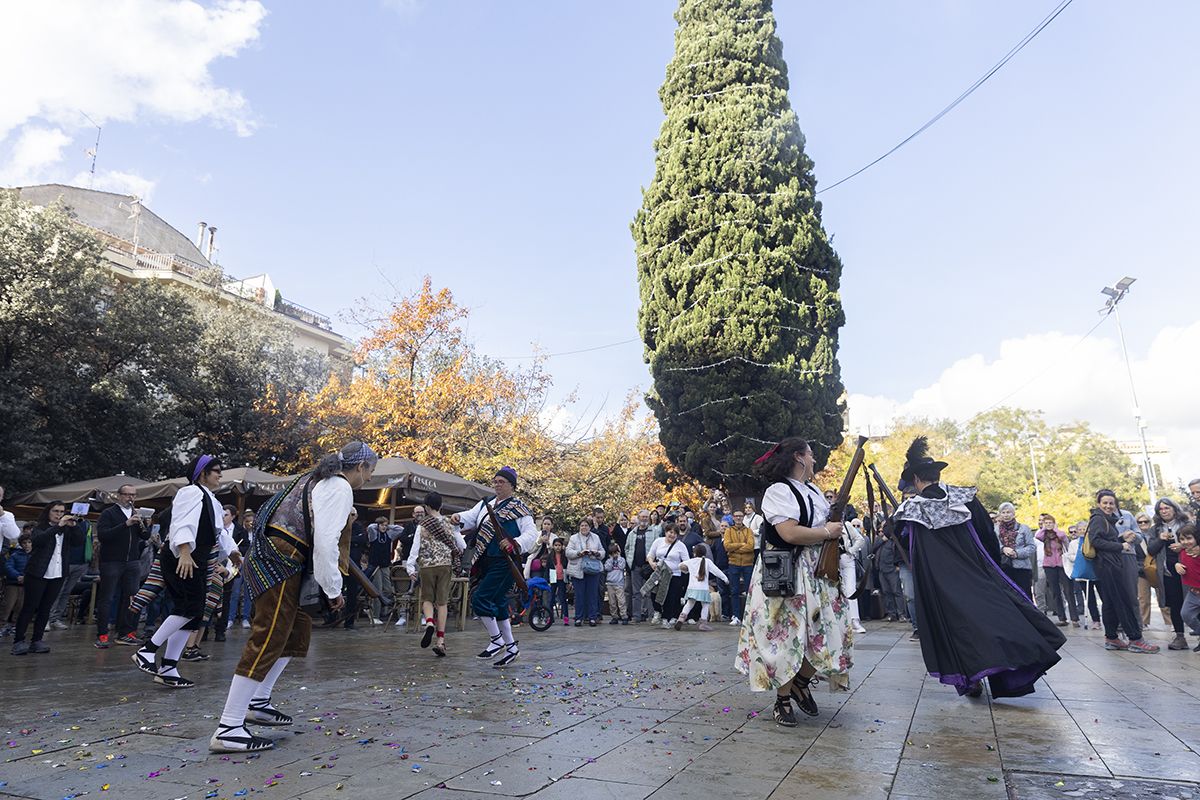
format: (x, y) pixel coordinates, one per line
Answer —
(185, 516)
(332, 502)
(9, 528)
(779, 503)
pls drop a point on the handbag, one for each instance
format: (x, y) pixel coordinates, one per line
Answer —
(591, 565)
(1150, 569)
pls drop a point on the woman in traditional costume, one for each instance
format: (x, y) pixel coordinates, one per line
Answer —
(975, 621)
(787, 642)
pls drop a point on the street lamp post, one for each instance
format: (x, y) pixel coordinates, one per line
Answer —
(1115, 295)
(1037, 491)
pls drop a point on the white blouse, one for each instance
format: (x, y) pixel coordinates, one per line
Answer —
(529, 532)
(185, 516)
(779, 503)
(674, 554)
(332, 502)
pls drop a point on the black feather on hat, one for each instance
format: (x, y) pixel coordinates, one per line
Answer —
(918, 458)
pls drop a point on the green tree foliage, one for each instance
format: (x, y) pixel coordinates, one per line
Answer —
(98, 377)
(739, 285)
(992, 451)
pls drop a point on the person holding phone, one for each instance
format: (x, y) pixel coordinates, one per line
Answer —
(584, 552)
(123, 534)
(55, 533)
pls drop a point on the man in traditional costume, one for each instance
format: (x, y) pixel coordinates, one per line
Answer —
(494, 553)
(975, 622)
(300, 532)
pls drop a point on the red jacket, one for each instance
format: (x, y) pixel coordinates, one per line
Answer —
(1192, 565)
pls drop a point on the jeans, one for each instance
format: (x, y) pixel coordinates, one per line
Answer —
(558, 597)
(586, 597)
(40, 595)
(909, 584)
(1191, 611)
(120, 579)
(739, 588)
(74, 575)
(239, 600)
(893, 595)
(1078, 588)
(1057, 584)
(641, 604)
(1173, 592)
(1120, 600)
(381, 579)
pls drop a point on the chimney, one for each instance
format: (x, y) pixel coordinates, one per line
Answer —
(200, 237)
(212, 238)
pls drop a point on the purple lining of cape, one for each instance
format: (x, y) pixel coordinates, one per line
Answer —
(1008, 677)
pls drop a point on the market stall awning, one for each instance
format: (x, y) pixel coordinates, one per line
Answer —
(98, 489)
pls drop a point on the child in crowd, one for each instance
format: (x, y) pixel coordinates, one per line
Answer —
(557, 576)
(1189, 572)
(698, 568)
(14, 586)
(614, 579)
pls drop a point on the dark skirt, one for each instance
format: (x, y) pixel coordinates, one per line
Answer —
(975, 622)
(187, 596)
(673, 602)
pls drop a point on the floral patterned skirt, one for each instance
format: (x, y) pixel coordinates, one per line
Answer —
(779, 633)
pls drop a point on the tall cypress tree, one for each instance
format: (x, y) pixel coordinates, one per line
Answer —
(739, 285)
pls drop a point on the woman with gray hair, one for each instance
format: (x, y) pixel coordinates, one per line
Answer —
(1017, 548)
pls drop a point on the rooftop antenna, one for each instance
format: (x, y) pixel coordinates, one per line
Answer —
(92, 151)
(134, 207)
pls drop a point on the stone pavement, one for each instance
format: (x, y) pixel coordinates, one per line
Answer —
(612, 712)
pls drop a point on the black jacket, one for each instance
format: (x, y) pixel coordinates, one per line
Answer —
(118, 541)
(44, 540)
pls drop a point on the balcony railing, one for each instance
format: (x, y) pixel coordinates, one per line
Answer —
(297, 311)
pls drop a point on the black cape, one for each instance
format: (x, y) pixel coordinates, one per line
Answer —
(974, 622)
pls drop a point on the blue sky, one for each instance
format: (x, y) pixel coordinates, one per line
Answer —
(501, 149)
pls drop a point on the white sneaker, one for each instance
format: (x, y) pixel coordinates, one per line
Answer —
(691, 622)
(229, 625)
(657, 618)
(400, 623)
(735, 621)
(58, 626)
(858, 628)
(246, 623)
(666, 624)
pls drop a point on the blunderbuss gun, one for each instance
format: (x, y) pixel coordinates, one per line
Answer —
(831, 550)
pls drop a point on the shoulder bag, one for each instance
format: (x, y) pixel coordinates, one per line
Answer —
(591, 565)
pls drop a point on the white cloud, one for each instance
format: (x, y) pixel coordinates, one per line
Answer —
(34, 151)
(120, 182)
(1076, 381)
(126, 60)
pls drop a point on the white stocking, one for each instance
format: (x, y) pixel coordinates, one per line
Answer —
(704, 611)
(506, 631)
(241, 691)
(687, 609)
(175, 644)
(268, 683)
(168, 627)
(489, 624)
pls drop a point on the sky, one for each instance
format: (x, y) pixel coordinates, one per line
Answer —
(349, 149)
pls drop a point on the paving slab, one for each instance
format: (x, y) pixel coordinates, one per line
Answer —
(611, 713)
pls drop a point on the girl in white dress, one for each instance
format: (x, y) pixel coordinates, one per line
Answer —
(699, 568)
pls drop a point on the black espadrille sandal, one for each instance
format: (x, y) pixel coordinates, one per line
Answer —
(236, 739)
(492, 649)
(263, 713)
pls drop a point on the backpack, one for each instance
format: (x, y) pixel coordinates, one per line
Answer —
(1086, 548)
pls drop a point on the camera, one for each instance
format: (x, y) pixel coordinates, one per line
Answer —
(779, 573)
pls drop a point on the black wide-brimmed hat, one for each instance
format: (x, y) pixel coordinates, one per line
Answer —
(918, 457)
